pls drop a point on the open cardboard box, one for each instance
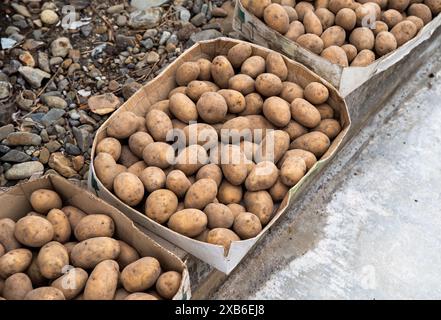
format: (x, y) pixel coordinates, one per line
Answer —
(346, 79)
(15, 204)
(157, 90)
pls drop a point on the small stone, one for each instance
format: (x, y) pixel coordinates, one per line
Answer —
(49, 17)
(205, 35)
(7, 43)
(72, 149)
(83, 138)
(32, 44)
(43, 61)
(78, 162)
(63, 165)
(53, 146)
(56, 61)
(10, 30)
(15, 156)
(147, 43)
(52, 116)
(121, 20)
(219, 12)
(44, 135)
(5, 131)
(184, 15)
(113, 85)
(142, 4)
(21, 9)
(164, 37)
(123, 41)
(115, 9)
(150, 33)
(33, 76)
(186, 30)
(7, 109)
(54, 102)
(23, 139)
(75, 55)
(147, 18)
(130, 88)
(5, 89)
(27, 59)
(44, 155)
(103, 104)
(24, 170)
(197, 6)
(198, 19)
(152, 57)
(60, 47)
(3, 150)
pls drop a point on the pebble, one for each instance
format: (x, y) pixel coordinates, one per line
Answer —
(152, 57)
(205, 35)
(78, 162)
(10, 30)
(184, 15)
(72, 149)
(130, 88)
(5, 131)
(83, 138)
(33, 76)
(60, 47)
(43, 61)
(147, 18)
(44, 155)
(53, 146)
(54, 102)
(103, 104)
(3, 150)
(115, 9)
(147, 43)
(23, 139)
(21, 9)
(15, 156)
(5, 89)
(62, 164)
(49, 17)
(121, 20)
(24, 170)
(198, 19)
(164, 37)
(113, 85)
(219, 12)
(123, 41)
(27, 59)
(32, 44)
(52, 116)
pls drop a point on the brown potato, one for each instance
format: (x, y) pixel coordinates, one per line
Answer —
(273, 146)
(295, 30)
(290, 91)
(34, 273)
(137, 168)
(127, 255)
(219, 216)
(61, 225)
(102, 282)
(419, 23)
(202, 134)
(294, 129)
(52, 260)
(191, 159)
(121, 294)
(111, 146)
(235, 100)
(346, 18)
(221, 71)
(168, 283)
(363, 58)
(7, 238)
(234, 164)
(336, 5)
(253, 104)
(162, 105)
(88, 253)
(326, 17)
(14, 261)
(311, 42)
(33, 231)
(259, 126)
(434, 6)
(72, 283)
(140, 296)
(212, 107)
(257, 7)
(17, 286)
(158, 124)
(351, 52)
(153, 178)
(385, 42)
(236, 209)
(188, 222)
(196, 88)
(380, 26)
(210, 171)
(229, 193)
(307, 156)
(69, 246)
(222, 237)
(321, 3)
(180, 89)
(106, 169)
(122, 125)
(183, 108)
(278, 191)
(247, 225)
(404, 31)
(236, 129)
(187, 72)
(292, 170)
(399, 5)
(141, 274)
(158, 154)
(74, 215)
(276, 65)
(276, 18)
(302, 7)
(239, 53)
(333, 36)
(45, 293)
(362, 38)
(204, 69)
(316, 93)
(315, 142)
(127, 158)
(259, 203)
(291, 12)
(201, 193)
(242, 83)
(94, 225)
(312, 23)
(335, 55)
(391, 17)
(277, 111)
(262, 176)
(160, 205)
(43, 200)
(177, 182)
(268, 84)
(253, 66)
(128, 188)
(305, 113)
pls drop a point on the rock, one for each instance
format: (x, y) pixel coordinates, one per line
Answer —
(25, 100)
(164, 37)
(143, 4)
(23, 139)
(54, 102)
(186, 31)
(15, 156)
(44, 155)
(130, 88)
(184, 15)
(7, 109)
(197, 6)
(147, 18)
(60, 47)
(63, 165)
(79, 4)
(52, 116)
(3, 150)
(10, 30)
(20, 9)
(24, 170)
(121, 20)
(83, 138)
(32, 44)
(115, 9)
(49, 17)
(147, 43)
(152, 57)
(78, 162)
(205, 35)
(43, 61)
(5, 131)
(123, 41)
(7, 43)
(53, 146)
(104, 103)
(113, 85)
(5, 89)
(33, 76)
(27, 59)
(72, 149)
(219, 12)
(198, 19)
(55, 61)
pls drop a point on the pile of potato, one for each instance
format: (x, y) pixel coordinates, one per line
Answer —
(62, 253)
(196, 192)
(346, 32)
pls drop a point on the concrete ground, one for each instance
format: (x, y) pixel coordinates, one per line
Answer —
(371, 228)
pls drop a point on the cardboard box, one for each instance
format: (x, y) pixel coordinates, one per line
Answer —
(346, 79)
(15, 204)
(157, 90)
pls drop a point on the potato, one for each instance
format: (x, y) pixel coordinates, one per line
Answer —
(122, 125)
(248, 148)
(434, 6)
(295, 30)
(290, 91)
(177, 182)
(278, 191)
(363, 58)
(202, 134)
(326, 17)
(333, 36)
(34, 231)
(212, 107)
(14, 261)
(88, 253)
(162, 105)
(234, 164)
(34, 273)
(210, 171)
(17, 286)
(7, 238)
(259, 203)
(2, 251)
(277, 111)
(346, 18)
(362, 38)
(276, 65)
(187, 72)
(127, 255)
(311, 42)
(72, 283)
(183, 108)
(321, 3)
(404, 31)
(242, 83)
(168, 283)
(158, 154)
(239, 53)
(253, 104)
(380, 26)
(302, 7)
(391, 17)
(351, 52)
(141, 274)
(316, 93)
(69, 246)
(160, 205)
(291, 12)
(196, 88)
(180, 89)
(221, 71)
(336, 5)
(247, 225)
(229, 193)
(222, 237)
(201, 193)
(235, 100)
(191, 159)
(235, 130)
(61, 225)
(273, 146)
(294, 129)
(178, 124)
(253, 66)
(276, 18)
(106, 169)
(399, 5)
(419, 23)
(385, 42)
(94, 225)
(121, 294)
(127, 158)
(45, 293)
(292, 170)
(137, 168)
(257, 7)
(367, 14)
(188, 222)
(153, 178)
(259, 126)
(128, 188)
(335, 55)
(305, 113)
(111, 146)
(262, 176)
(268, 84)
(219, 216)
(140, 296)
(52, 260)
(307, 156)
(43, 200)
(312, 23)
(204, 69)
(236, 209)
(315, 142)
(103, 281)
(158, 124)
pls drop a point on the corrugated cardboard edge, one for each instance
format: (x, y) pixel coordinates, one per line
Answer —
(15, 204)
(158, 89)
(346, 79)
